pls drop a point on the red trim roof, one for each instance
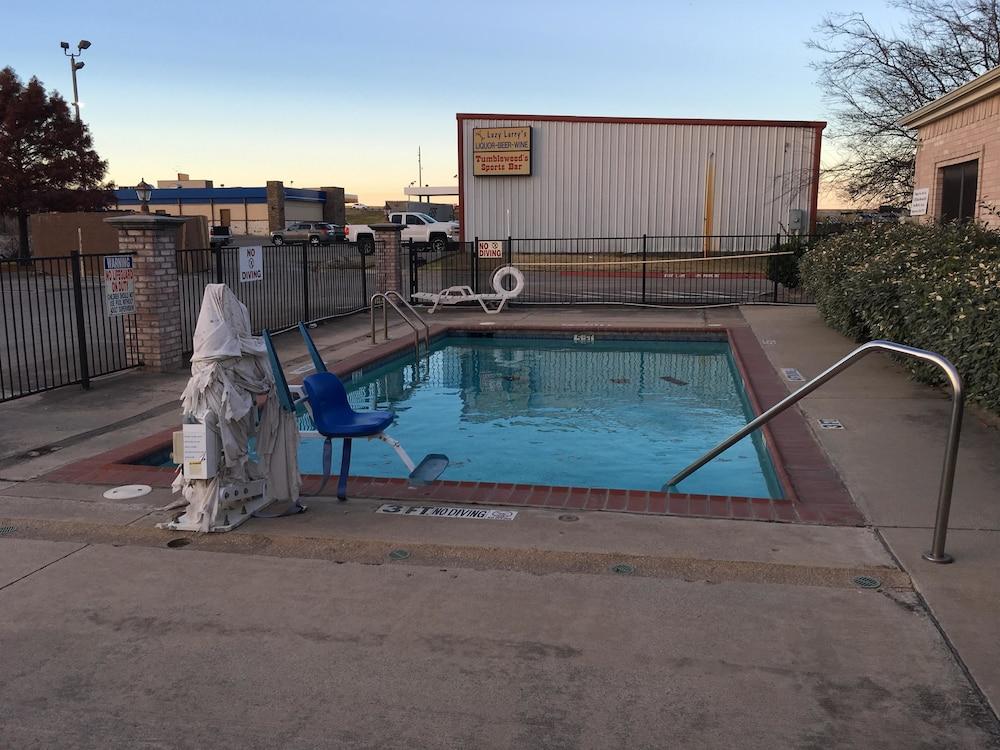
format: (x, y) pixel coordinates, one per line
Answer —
(645, 120)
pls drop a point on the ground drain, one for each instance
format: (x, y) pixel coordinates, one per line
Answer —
(569, 517)
(866, 582)
(399, 554)
(4, 530)
(623, 569)
(179, 542)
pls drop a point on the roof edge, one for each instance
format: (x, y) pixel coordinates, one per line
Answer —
(964, 96)
(816, 124)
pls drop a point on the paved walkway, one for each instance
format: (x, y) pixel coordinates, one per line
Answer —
(303, 632)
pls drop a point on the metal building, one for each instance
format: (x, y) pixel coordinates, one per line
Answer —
(543, 176)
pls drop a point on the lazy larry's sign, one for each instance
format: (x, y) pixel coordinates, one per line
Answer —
(119, 285)
(498, 152)
(251, 263)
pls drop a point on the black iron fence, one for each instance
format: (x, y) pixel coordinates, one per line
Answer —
(295, 282)
(56, 327)
(650, 270)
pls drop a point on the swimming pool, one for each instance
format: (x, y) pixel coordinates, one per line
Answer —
(579, 410)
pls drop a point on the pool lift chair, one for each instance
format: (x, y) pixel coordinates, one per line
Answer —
(333, 417)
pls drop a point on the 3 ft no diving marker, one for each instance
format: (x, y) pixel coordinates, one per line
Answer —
(251, 263)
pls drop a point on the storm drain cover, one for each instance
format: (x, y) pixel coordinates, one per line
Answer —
(127, 492)
(623, 569)
(7, 530)
(867, 582)
(179, 542)
(399, 554)
(569, 517)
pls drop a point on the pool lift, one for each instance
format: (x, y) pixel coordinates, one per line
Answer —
(332, 417)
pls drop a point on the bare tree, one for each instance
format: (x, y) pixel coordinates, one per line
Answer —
(871, 79)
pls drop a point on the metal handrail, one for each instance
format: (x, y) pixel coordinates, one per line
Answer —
(385, 297)
(937, 553)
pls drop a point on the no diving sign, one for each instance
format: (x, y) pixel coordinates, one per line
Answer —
(251, 263)
(448, 511)
(490, 249)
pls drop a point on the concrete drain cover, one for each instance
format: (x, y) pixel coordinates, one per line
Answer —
(866, 582)
(128, 492)
(399, 554)
(180, 542)
(4, 530)
(623, 569)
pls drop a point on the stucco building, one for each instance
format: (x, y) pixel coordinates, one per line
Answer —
(246, 210)
(958, 153)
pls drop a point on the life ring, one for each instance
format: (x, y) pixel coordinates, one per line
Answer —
(502, 273)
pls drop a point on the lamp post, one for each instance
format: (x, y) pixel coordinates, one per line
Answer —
(75, 66)
(143, 192)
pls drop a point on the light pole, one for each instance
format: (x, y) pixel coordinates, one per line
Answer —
(75, 66)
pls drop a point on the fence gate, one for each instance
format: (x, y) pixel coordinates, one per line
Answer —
(62, 323)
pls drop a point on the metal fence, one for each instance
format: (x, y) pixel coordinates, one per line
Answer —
(650, 270)
(299, 282)
(55, 329)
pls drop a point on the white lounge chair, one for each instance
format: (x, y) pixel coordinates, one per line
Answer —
(453, 295)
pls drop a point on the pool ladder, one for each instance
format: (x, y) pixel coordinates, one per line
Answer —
(936, 553)
(386, 299)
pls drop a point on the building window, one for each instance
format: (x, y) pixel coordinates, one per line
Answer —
(958, 191)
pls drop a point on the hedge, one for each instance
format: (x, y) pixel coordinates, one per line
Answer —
(933, 287)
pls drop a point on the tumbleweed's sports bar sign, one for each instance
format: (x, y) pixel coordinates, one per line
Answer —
(501, 151)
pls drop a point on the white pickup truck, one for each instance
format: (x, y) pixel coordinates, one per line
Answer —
(425, 232)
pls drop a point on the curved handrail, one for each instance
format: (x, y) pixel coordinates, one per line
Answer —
(384, 296)
(937, 553)
(408, 306)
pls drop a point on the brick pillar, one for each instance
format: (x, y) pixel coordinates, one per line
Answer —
(333, 207)
(153, 239)
(275, 205)
(388, 257)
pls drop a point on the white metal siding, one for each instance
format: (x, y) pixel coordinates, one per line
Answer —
(595, 179)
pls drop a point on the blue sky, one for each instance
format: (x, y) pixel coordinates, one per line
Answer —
(343, 93)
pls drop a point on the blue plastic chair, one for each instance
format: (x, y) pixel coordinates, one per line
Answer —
(334, 418)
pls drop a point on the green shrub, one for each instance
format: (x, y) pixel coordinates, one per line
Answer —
(784, 269)
(933, 287)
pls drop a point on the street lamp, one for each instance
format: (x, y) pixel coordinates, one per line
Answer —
(75, 66)
(144, 191)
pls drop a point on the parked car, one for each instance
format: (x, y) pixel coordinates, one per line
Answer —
(219, 236)
(425, 231)
(313, 232)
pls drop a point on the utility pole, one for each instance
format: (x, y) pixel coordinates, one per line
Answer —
(75, 66)
(420, 175)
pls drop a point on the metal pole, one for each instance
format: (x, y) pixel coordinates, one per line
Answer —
(218, 264)
(76, 96)
(81, 327)
(644, 269)
(936, 553)
(305, 282)
(473, 265)
(777, 245)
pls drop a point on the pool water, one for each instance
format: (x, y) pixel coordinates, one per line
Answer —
(607, 413)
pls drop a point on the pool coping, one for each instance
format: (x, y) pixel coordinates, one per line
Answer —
(813, 490)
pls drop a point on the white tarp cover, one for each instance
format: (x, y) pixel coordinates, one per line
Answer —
(230, 375)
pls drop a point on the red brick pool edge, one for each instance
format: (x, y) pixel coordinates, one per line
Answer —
(813, 490)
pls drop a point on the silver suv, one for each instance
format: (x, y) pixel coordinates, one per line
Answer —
(313, 232)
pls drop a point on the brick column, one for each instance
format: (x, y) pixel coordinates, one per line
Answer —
(153, 239)
(275, 205)
(388, 257)
(333, 206)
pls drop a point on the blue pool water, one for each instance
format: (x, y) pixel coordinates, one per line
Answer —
(610, 413)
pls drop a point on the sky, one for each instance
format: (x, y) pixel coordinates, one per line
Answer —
(343, 93)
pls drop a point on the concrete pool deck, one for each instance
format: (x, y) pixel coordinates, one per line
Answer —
(729, 633)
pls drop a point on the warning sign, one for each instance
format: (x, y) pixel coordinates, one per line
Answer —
(119, 285)
(490, 249)
(251, 263)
